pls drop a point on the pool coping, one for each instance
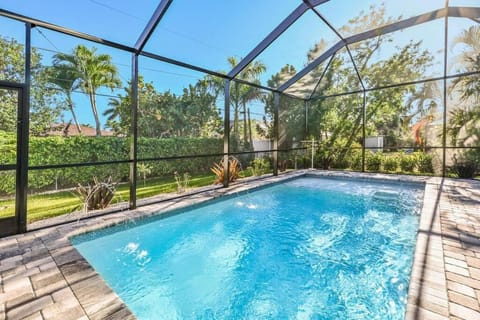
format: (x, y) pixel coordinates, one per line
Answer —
(44, 277)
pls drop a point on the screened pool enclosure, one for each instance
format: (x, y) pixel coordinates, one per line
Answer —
(146, 97)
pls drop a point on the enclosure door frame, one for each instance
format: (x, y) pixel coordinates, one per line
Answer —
(18, 223)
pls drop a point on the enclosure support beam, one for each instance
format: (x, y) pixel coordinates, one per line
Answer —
(226, 135)
(134, 134)
(306, 129)
(152, 24)
(364, 122)
(281, 28)
(339, 45)
(276, 103)
(321, 77)
(466, 12)
(445, 62)
(22, 136)
(53, 27)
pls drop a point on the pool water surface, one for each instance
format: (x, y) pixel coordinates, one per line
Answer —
(308, 248)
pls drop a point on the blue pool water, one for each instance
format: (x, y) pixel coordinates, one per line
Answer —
(309, 248)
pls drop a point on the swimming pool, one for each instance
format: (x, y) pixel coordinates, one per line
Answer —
(307, 248)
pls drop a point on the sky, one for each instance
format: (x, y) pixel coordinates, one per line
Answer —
(205, 33)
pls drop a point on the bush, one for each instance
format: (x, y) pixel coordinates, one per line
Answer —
(356, 160)
(407, 162)
(340, 163)
(69, 150)
(373, 161)
(390, 163)
(467, 164)
(259, 166)
(424, 162)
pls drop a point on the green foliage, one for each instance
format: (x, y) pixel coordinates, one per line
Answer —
(144, 170)
(90, 70)
(162, 115)
(424, 162)
(390, 163)
(373, 161)
(43, 107)
(355, 160)
(259, 166)
(467, 164)
(407, 162)
(80, 149)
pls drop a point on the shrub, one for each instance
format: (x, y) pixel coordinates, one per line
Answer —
(407, 162)
(424, 162)
(234, 169)
(390, 163)
(340, 163)
(259, 166)
(373, 161)
(467, 164)
(182, 181)
(80, 149)
(356, 160)
(97, 195)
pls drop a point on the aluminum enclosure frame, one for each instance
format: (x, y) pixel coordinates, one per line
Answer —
(137, 50)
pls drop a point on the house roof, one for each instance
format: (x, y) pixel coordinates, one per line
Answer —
(71, 130)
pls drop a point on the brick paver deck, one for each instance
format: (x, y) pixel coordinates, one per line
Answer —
(43, 277)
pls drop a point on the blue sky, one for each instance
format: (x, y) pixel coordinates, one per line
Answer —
(205, 33)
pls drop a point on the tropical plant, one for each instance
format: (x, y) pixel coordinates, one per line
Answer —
(182, 181)
(192, 114)
(423, 104)
(259, 166)
(234, 170)
(97, 195)
(465, 118)
(93, 71)
(241, 95)
(66, 80)
(144, 169)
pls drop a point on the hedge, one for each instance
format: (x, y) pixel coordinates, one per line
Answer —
(72, 150)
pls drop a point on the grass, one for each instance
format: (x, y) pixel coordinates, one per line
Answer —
(42, 206)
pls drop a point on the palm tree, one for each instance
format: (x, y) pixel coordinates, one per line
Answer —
(468, 61)
(242, 94)
(423, 104)
(94, 71)
(467, 88)
(65, 78)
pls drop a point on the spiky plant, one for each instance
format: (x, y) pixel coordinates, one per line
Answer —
(234, 170)
(97, 195)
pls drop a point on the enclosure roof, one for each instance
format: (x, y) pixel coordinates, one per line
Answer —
(203, 35)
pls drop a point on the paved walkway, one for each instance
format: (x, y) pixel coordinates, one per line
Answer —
(43, 277)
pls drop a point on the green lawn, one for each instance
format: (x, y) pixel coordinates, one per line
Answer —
(43, 206)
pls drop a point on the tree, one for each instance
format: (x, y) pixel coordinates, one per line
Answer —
(66, 80)
(192, 114)
(44, 109)
(93, 70)
(242, 94)
(464, 121)
(337, 121)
